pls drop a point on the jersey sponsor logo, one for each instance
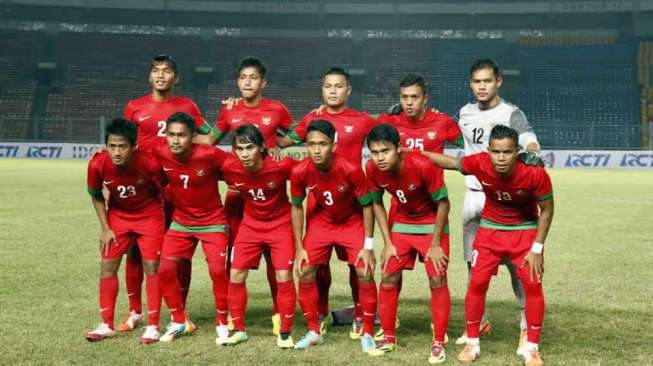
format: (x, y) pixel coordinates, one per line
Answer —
(411, 187)
(349, 128)
(167, 169)
(238, 184)
(431, 135)
(642, 160)
(236, 120)
(341, 188)
(266, 120)
(486, 184)
(141, 119)
(223, 254)
(200, 172)
(107, 182)
(383, 185)
(587, 160)
(291, 262)
(310, 188)
(288, 316)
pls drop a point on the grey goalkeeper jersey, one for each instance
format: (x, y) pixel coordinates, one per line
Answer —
(476, 124)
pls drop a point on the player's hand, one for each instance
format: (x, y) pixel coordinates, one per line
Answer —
(536, 263)
(301, 261)
(395, 109)
(436, 255)
(435, 110)
(231, 102)
(106, 194)
(531, 157)
(318, 111)
(367, 256)
(388, 252)
(276, 154)
(106, 237)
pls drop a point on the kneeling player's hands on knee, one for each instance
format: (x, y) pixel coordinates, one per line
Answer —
(436, 255)
(389, 251)
(367, 256)
(535, 262)
(301, 261)
(276, 154)
(106, 238)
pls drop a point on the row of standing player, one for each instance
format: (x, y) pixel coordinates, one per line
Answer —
(420, 128)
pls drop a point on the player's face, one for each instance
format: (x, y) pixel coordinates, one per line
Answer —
(162, 77)
(250, 83)
(248, 153)
(335, 90)
(503, 153)
(384, 154)
(485, 85)
(412, 100)
(120, 150)
(319, 147)
(179, 138)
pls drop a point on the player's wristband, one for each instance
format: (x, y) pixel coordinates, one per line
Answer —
(369, 244)
(537, 247)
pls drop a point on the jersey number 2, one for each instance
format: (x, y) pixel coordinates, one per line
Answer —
(477, 135)
(162, 128)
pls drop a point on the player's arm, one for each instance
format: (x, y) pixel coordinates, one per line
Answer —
(296, 134)
(365, 199)
(527, 138)
(106, 234)
(535, 258)
(297, 195)
(434, 180)
(443, 161)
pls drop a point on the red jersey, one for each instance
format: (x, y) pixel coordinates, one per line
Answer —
(264, 192)
(150, 116)
(509, 201)
(339, 192)
(134, 188)
(351, 126)
(428, 134)
(194, 185)
(268, 116)
(416, 187)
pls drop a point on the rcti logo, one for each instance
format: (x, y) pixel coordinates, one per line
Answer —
(44, 152)
(8, 151)
(587, 160)
(634, 160)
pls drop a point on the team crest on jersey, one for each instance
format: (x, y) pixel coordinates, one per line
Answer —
(341, 188)
(431, 135)
(520, 192)
(266, 120)
(349, 128)
(200, 172)
(411, 187)
(271, 184)
(140, 182)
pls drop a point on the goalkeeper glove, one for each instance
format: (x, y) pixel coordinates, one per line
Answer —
(395, 109)
(531, 158)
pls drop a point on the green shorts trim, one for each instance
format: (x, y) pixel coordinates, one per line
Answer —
(497, 226)
(198, 229)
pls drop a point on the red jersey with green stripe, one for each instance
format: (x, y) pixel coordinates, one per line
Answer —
(415, 186)
(193, 184)
(264, 191)
(150, 115)
(351, 126)
(134, 188)
(509, 201)
(268, 116)
(428, 134)
(339, 192)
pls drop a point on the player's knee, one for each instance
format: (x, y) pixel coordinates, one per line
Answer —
(150, 267)
(391, 279)
(109, 268)
(532, 288)
(238, 275)
(437, 281)
(364, 276)
(308, 274)
(479, 282)
(283, 276)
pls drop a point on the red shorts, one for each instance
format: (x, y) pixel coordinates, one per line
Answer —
(409, 246)
(321, 237)
(147, 232)
(492, 246)
(256, 236)
(182, 244)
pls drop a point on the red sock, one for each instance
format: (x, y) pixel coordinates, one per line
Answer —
(368, 304)
(184, 273)
(308, 303)
(218, 274)
(323, 280)
(286, 298)
(153, 294)
(272, 280)
(134, 282)
(388, 301)
(534, 310)
(353, 284)
(170, 292)
(237, 299)
(108, 294)
(475, 302)
(440, 308)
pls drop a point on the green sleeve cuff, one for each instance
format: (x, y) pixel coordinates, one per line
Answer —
(295, 137)
(366, 199)
(460, 141)
(545, 197)
(297, 201)
(94, 193)
(441, 194)
(459, 165)
(376, 196)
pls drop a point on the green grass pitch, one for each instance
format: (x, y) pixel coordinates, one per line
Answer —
(599, 264)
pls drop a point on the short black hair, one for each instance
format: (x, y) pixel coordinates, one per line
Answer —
(248, 133)
(413, 79)
(384, 133)
(485, 63)
(324, 127)
(500, 132)
(335, 70)
(164, 59)
(252, 62)
(121, 127)
(183, 118)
